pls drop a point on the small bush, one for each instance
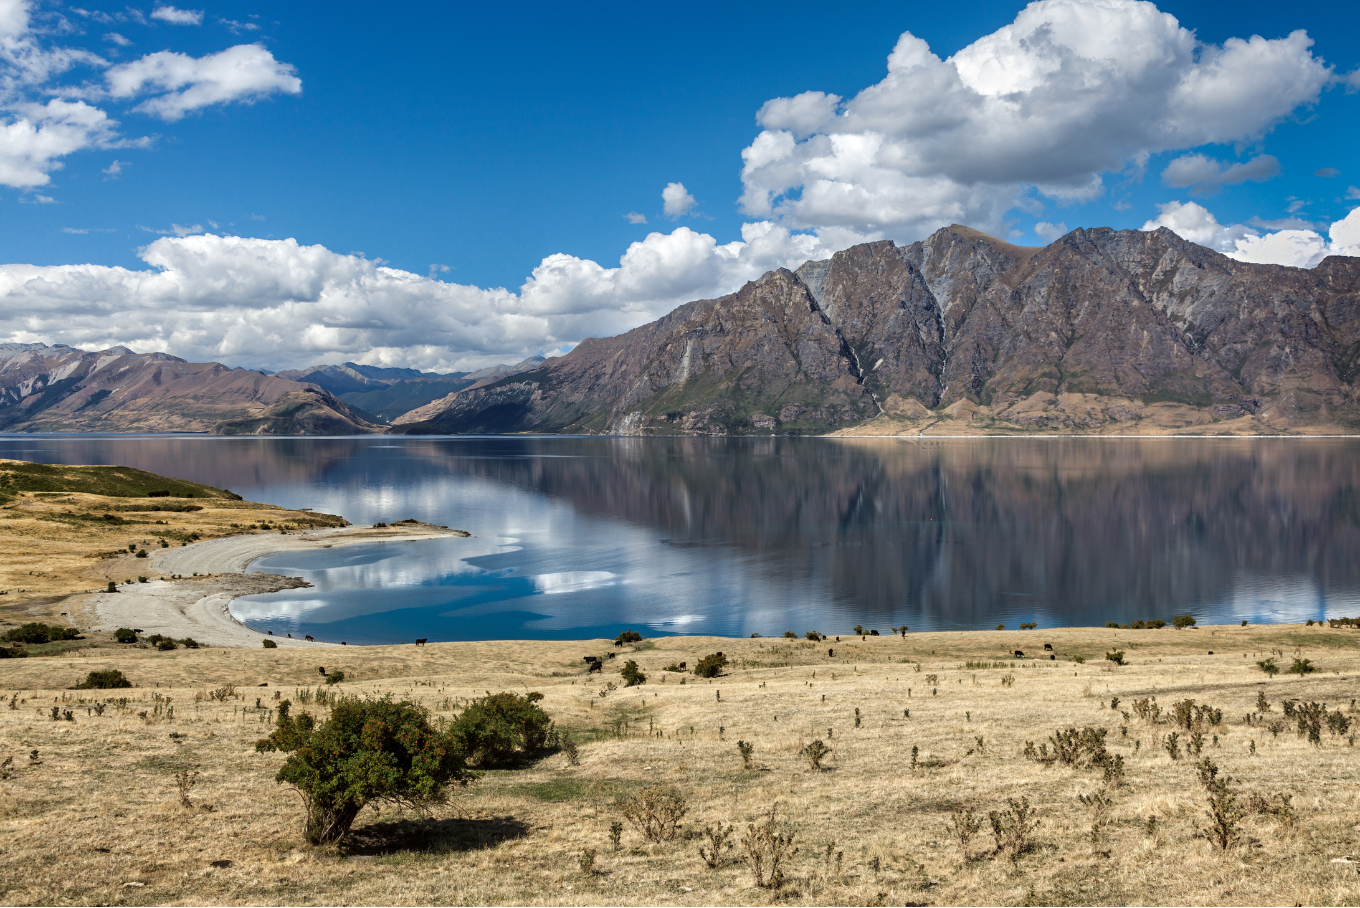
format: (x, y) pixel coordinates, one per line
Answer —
(499, 728)
(269, 644)
(1268, 666)
(719, 845)
(1116, 656)
(112, 587)
(814, 636)
(1112, 624)
(335, 678)
(1029, 625)
(711, 666)
(655, 812)
(1013, 828)
(628, 636)
(1158, 623)
(1301, 667)
(631, 675)
(189, 643)
(108, 679)
(587, 861)
(1224, 811)
(815, 753)
(746, 749)
(125, 635)
(1181, 621)
(768, 842)
(965, 826)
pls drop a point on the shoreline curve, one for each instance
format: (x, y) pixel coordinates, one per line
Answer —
(200, 606)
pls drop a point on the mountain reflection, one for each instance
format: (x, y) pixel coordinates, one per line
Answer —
(935, 533)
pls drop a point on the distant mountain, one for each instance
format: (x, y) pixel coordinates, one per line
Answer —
(63, 389)
(386, 394)
(1101, 331)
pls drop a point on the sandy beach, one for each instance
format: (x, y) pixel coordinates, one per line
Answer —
(199, 606)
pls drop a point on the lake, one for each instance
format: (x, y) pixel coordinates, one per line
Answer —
(583, 537)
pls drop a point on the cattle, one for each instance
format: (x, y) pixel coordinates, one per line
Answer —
(420, 641)
(831, 651)
(1049, 647)
(596, 666)
(343, 643)
(322, 670)
(1019, 654)
(310, 639)
(618, 643)
(591, 658)
(719, 653)
(1052, 658)
(271, 633)
(682, 664)
(1211, 652)
(290, 636)
(264, 684)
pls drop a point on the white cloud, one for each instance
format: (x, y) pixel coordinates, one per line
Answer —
(276, 303)
(1353, 192)
(37, 136)
(1203, 174)
(1326, 172)
(1050, 232)
(1299, 248)
(115, 169)
(676, 200)
(178, 16)
(115, 38)
(1069, 91)
(246, 72)
(633, 217)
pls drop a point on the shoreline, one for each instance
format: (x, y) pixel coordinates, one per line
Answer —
(200, 606)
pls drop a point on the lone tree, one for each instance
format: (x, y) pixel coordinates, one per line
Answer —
(368, 750)
(498, 729)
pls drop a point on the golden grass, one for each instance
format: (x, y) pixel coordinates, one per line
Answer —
(101, 810)
(53, 544)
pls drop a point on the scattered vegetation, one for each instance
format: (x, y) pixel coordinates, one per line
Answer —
(106, 679)
(655, 812)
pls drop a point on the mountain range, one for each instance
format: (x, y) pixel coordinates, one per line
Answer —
(1102, 331)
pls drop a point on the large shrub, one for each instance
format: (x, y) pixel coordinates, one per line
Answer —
(368, 750)
(498, 728)
(108, 679)
(710, 666)
(37, 632)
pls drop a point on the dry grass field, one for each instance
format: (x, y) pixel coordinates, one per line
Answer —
(90, 811)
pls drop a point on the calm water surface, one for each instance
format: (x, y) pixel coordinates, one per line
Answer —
(582, 537)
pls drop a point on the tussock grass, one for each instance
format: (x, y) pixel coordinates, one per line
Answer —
(106, 802)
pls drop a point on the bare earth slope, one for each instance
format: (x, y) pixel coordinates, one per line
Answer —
(62, 389)
(1101, 331)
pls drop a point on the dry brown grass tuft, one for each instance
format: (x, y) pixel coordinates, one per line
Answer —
(96, 803)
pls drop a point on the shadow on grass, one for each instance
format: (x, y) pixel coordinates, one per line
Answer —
(433, 836)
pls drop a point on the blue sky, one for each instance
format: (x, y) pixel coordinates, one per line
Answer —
(472, 142)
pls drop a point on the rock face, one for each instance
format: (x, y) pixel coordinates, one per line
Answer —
(62, 389)
(1101, 331)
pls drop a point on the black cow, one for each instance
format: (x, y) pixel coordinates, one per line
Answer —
(1049, 647)
(596, 666)
(831, 651)
(322, 670)
(310, 639)
(1019, 654)
(682, 664)
(420, 641)
(1052, 658)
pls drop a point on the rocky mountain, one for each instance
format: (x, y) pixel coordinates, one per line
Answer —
(63, 389)
(383, 394)
(1101, 331)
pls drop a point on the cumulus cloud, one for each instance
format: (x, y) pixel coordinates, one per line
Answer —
(1327, 172)
(43, 121)
(178, 16)
(676, 200)
(1296, 247)
(1069, 91)
(1203, 174)
(247, 72)
(1050, 232)
(633, 217)
(278, 303)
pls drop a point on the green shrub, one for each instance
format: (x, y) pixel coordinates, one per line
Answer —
(1157, 623)
(746, 749)
(125, 635)
(368, 750)
(335, 678)
(1301, 667)
(815, 753)
(1269, 667)
(631, 675)
(711, 666)
(1112, 624)
(628, 636)
(269, 644)
(189, 643)
(655, 812)
(37, 632)
(790, 635)
(499, 728)
(290, 732)
(108, 679)
(1116, 656)
(813, 636)
(1029, 625)
(1181, 621)
(1224, 811)
(859, 630)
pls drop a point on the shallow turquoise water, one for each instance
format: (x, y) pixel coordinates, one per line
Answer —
(583, 537)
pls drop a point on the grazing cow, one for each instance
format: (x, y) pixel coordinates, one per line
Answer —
(618, 643)
(310, 638)
(1211, 652)
(322, 669)
(343, 643)
(1049, 647)
(719, 653)
(271, 633)
(1019, 654)
(264, 684)
(420, 641)
(682, 664)
(831, 651)
(1052, 658)
(596, 666)
(591, 658)
(290, 636)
